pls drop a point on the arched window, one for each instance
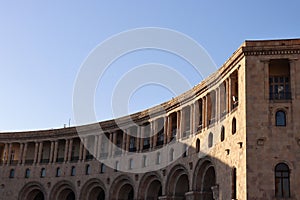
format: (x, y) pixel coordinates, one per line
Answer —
(117, 166)
(197, 146)
(222, 134)
(27, 173)
(43, 172)
(88, 169)
(282, 181)
(12, 173)
(210, 140)
(280, 118)
(73, 171)
(102, 168)
(185, 150)
(58, 172)
(233, 126)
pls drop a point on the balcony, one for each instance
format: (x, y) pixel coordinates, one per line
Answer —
(44, 160)
(280, 96)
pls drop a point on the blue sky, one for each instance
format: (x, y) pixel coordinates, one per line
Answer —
(43, 44)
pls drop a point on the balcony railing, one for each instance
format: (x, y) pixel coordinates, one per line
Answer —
(28, 162)
(44, 160)
(280, 96)
(60, 160)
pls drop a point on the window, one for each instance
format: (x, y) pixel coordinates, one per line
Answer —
(233, 184)
(222, 134)
(282, 181)
(130, 163)
(43, 172)
(27, 173)
(280, 118)
(171, 154)
(185, 150)
(158, 158)
(279, 79)
(117, 166)
(197, 146)
(58, 172)
(279, 87)
(145, 161)
(132, 147)
(88, 170)
(233, 126)
(102, 168)
(210, 140)
(12, 173)
(73, 171)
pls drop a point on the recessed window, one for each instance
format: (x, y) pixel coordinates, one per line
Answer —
(102, 168)
(117, 166)
(158, 158)
(222, 137)
(87, 169)
(280, 118)
(12, 173)
(27, 173)
(145, 161)
(198, 146)
(210, 140)
(282, 181)
(43, 172)
(233, 183)
(171, 154)
(58, 172)
(130, 163)
(233, 126)
(73, 171)
(185, 150)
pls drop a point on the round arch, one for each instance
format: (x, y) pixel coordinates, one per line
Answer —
(122, 188)
(204, 178)
(177, 181)
(63, 190)
(93, 189)
(32, 191)
(150, 186)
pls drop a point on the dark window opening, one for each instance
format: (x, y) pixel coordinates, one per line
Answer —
(233, 126)
(210, 140)
(222, 134)
(233, 184)
(73, 171)
(280, 118)
(198, 146)
(12, 173)
(43, 172)
(282, 181)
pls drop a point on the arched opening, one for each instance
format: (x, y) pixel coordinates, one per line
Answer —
(66, 194)
(177, 182)
(126, 192)
(233, 126)
(32, 191)
(198, 146)
(182, 186)
(222, 137)
(63, 190)
(282, 180)
(209, 180)
(154, 190)
(94, 189)
(205, 180)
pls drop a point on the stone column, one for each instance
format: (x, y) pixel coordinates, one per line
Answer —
(55, 151)
(21, 153)
(217, 106)
(99, 146)
(178, 134)
(154, 133)
(36, 150)
(142, 128)
(80, 150)
(215, 190)
(166, 129)
(138, 135)
(51, 152)
(84, 140)
(24, 153)
(127, 140)
(124, 142)
(66, 150)
(229, 95)
(5, 153)
(192, 117)
(9, 153)
(70, 149)
(40, 152)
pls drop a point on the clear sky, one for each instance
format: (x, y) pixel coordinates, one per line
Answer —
(43, 44)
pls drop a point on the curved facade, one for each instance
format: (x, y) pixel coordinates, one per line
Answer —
(233, 136)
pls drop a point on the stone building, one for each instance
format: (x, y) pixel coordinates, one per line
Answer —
(233, 136)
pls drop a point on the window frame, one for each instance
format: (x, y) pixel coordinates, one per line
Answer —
(277, 117)
(284, 175)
